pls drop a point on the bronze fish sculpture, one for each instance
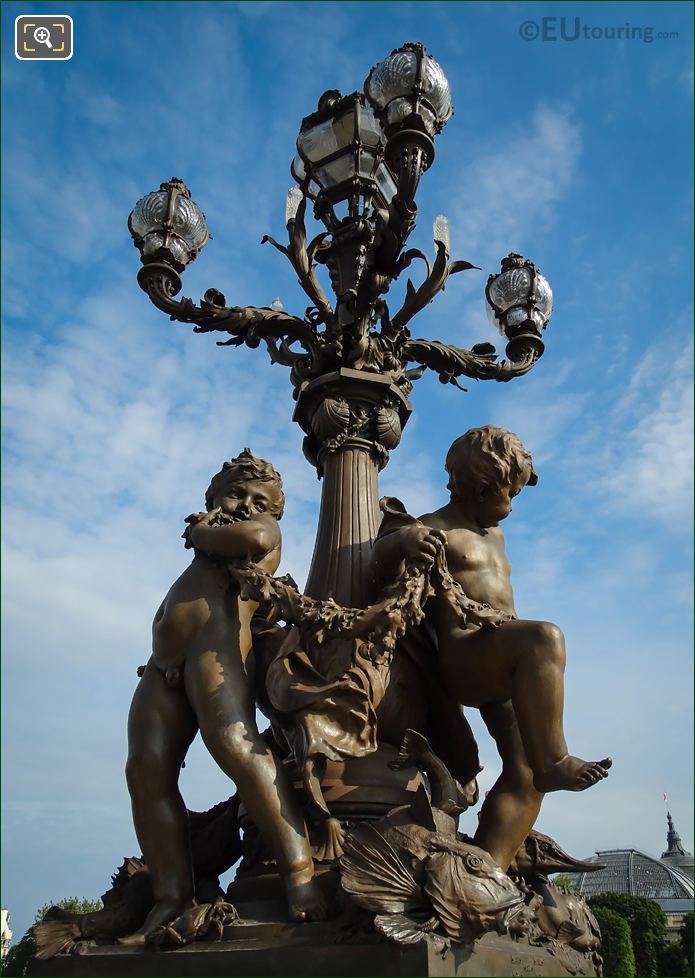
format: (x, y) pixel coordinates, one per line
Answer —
(563, 917)
(413, 871)
(539, 855)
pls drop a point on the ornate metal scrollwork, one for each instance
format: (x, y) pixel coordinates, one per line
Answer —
(323, 343)
(246, 325)
(480, 363)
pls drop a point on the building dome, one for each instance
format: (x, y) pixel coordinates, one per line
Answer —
(668, 881)
(634, 873)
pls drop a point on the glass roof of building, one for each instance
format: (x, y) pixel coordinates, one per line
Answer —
(632, 872)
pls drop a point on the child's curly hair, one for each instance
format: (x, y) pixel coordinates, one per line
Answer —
(490, 456)
(245, 468)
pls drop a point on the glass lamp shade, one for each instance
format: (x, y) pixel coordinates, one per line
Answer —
(340, 154)
(410, 90)
(166, 225)
(518, 297)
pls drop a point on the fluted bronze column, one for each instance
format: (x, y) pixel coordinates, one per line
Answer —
(348, 524)
(352, 419)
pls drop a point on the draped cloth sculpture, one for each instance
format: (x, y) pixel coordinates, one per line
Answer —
(329, 674)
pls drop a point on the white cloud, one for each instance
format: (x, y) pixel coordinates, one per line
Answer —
(510, 190)
(504, 197)
(543, 411)
(650, 468)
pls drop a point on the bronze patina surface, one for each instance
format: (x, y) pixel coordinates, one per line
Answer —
(346, 809)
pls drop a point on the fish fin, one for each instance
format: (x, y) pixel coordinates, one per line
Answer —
(406, 930)
(128, 868)
(327, 845)
(56, 937)
(421, 809)
(374, 874)
(398, 927)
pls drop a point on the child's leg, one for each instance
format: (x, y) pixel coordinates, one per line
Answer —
(161, 726)
(523, 661)
(221, 691)
(512, 804)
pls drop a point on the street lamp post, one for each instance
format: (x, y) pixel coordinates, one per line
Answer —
(359, 160)
(353, 806)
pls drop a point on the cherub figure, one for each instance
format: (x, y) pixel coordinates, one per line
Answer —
(511, 670)
(201, 677)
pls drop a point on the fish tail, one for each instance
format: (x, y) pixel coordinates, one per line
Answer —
(413, 748)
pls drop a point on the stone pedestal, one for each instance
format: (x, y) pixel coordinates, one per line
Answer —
(264, 943)
(308, 950)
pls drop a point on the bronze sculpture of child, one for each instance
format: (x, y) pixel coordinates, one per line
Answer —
(201, 677)
(510, 669)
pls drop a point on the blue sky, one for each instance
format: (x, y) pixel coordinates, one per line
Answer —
(577, 154)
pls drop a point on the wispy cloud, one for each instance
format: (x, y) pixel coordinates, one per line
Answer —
(510, 189)
(654, 471)
(648, 468)
(506, 197)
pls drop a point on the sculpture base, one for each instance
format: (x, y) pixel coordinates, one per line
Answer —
(260, 948)
(264, 943)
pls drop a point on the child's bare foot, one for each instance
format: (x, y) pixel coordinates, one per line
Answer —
(572, 774)
(162, 913)
(305, 900)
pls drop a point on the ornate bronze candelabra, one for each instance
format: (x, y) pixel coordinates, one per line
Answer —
(359, 160)
(349, 802)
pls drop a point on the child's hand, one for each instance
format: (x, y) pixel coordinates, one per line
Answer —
(206, 519)
(197, 519)
(422, 543)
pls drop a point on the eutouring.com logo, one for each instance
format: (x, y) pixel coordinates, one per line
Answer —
(573, 29)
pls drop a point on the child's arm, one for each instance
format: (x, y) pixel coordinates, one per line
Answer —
(416, 542)
(246, 540)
